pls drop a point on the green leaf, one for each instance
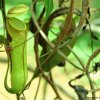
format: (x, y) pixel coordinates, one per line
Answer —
(39, 9)
(2, 39)
(56, 58)
(49, 7)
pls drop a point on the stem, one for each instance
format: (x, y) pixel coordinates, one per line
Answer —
(50, 43)
(3, 12)
(94, 54)
(44, 90)
(39, 65)
(68, 46)
(53, 87)
(17, 96)
(4, 18)
(4, 21)
(91, 85)
(37, 88)
(51, 78)
(65, 92)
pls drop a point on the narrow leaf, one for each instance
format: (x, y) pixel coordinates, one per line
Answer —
(49, 7)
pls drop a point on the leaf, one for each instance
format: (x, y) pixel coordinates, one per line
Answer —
(49, 7)
(2, 39)
(56, 58)
(17, 10)
(39, 9)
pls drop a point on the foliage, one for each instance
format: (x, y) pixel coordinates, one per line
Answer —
(62, 31)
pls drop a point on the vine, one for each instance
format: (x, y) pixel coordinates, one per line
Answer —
(54, 52)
